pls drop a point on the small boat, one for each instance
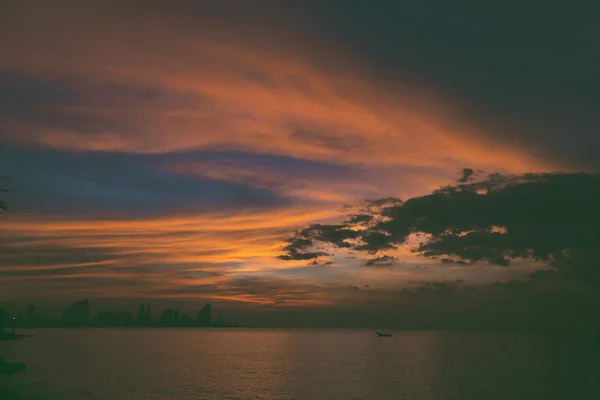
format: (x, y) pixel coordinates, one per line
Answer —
(382, 334)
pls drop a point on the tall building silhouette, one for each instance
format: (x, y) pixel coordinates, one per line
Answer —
(143, 315)
(204, 316)
(77, 313)
(185, 320)
(166, 317)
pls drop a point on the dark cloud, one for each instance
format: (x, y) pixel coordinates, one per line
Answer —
(551, 217)
(529, 75)
(383, 261)
(19, 93)
(361, 287)
(47, 272)
(27, 97)
(336, 235)
(51, 255)
(89, 183)
(117, 184)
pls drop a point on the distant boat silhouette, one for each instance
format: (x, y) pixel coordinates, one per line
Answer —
(382, 334)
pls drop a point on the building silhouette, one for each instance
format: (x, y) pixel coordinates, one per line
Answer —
(204, 316)
(143, 315)
(109, 318)
(141, 311)
(166, 317)
(185, 320)
(77, 313)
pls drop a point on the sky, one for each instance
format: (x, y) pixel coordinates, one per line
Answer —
(164, 151)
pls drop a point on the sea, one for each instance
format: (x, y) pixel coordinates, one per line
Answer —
(285, 364)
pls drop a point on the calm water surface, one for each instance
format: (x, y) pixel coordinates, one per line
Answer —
(303, 364)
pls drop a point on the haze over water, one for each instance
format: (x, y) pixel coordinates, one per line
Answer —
(304, 364)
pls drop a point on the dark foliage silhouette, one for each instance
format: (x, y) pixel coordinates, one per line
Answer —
(495, 218)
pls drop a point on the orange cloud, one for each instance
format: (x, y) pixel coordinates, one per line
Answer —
(254, 101)
(160, 253)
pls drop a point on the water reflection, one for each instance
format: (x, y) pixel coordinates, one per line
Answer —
(303, 364)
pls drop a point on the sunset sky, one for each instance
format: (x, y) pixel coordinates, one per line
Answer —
(163, 151)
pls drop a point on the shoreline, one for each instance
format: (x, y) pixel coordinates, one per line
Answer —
(395, 329)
